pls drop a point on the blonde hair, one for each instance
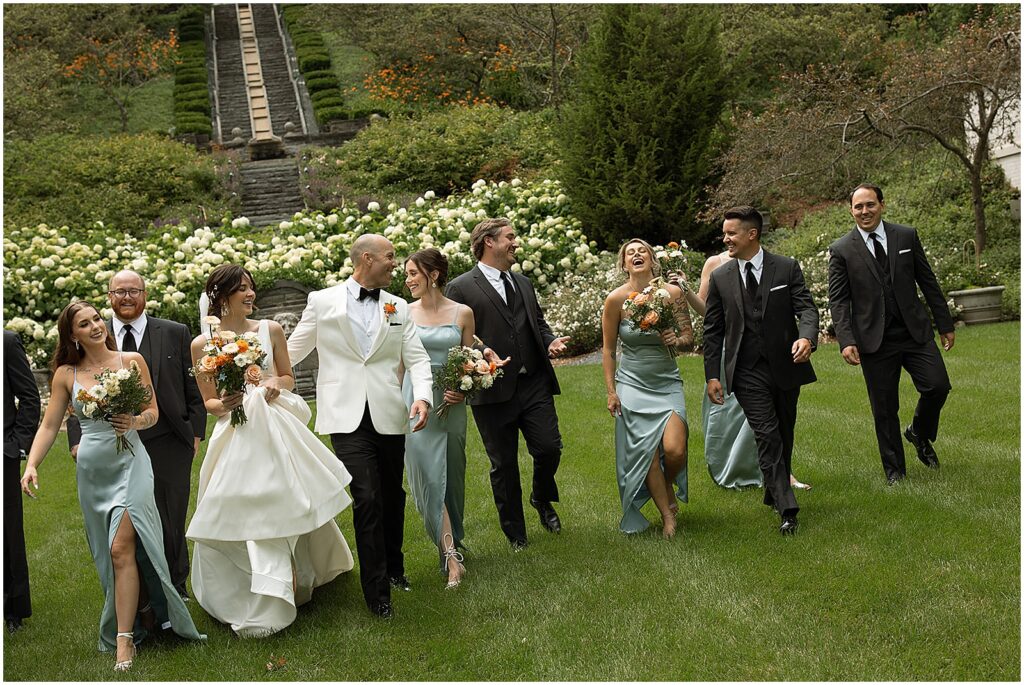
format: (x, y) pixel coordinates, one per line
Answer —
(621, 260)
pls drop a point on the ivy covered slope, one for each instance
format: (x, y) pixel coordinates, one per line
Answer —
(43, 270)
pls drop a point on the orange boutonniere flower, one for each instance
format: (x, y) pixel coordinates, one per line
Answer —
(389, 311)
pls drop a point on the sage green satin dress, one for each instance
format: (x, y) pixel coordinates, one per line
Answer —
(435, 457)
(110, 484)
(729, 446)
(650, 390)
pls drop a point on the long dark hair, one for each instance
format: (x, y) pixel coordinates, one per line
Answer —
(223, 282)
(66, 351)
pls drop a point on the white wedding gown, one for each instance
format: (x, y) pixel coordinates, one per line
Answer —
(264, 527)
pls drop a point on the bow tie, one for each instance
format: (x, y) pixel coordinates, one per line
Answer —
(373, 293)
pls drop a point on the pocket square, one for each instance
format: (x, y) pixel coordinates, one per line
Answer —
(394, 323)
(906, 250)
(779, 287)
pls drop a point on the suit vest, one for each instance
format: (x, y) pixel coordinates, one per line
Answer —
(522, 337)
(752, 343)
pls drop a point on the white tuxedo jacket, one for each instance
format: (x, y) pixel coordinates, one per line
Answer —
(347, 381)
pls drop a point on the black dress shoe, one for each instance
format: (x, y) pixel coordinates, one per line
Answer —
(548, 517)
(518, 544)
(382, 610)
(400, 583)
(788, 526)
(892, 480)
(13, 625)
(182, 592)
(925, 451)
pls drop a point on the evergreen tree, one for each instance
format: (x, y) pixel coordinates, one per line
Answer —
(639, 137)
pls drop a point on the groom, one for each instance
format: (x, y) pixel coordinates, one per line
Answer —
(362, 335)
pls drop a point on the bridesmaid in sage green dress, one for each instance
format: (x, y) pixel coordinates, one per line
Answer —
(645, 396)
(435, 457)
(729, 447)
(115, 490)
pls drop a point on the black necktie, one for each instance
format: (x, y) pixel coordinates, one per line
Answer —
(373, 293)
(128, 344)
(510, 293)
(751, 283)
(883, 260)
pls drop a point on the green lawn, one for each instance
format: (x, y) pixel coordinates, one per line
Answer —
(916, 582)
(150, 109)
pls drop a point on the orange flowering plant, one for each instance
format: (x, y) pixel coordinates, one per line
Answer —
(231, 362)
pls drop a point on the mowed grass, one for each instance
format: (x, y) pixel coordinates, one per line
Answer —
(916, 582)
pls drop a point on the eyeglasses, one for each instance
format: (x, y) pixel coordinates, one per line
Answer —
(134, 292)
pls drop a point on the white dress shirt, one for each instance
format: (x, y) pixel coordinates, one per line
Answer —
(138, 329)
(757, 261)
(880, 232)
(364, 315)
(494, 278)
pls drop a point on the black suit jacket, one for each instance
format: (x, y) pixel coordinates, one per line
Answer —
(21, 421)
(166, 347)
(855, 289)
(785, 301)
(494, 327)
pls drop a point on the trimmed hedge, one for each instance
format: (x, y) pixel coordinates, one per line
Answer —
(191, 88)
(316, 60)
(318, 84)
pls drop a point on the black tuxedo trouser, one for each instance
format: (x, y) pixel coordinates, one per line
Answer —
(882, 375)
(172, 458)
(17, 602)
(771, 413)
(532, 411)
(377, 464)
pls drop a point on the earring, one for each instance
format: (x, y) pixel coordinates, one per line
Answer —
(433, 284)
(225, 310)
(78, 346)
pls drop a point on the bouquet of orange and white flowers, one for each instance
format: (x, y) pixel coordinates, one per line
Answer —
(672, 259)
(118, 392)
(466, 371)
(651, 309)
(232, 362)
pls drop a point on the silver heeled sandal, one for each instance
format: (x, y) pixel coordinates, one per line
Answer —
(122, 666)
(451, 553)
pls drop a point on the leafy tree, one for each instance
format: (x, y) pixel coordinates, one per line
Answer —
(833, 123)
(640, 136)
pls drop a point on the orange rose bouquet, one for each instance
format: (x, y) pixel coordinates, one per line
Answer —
(231, 362)
(651, 309)
(466, 371)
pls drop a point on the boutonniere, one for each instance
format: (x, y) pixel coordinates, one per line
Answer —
(389, 311)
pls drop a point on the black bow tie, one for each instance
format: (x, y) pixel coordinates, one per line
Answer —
(373, 293)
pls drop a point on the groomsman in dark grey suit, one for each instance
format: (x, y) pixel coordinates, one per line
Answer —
(20, 421)
(874, 272)
(174, 440)
(759, 306)
(509, 320)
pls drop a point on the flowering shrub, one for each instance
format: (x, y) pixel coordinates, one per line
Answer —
(44, 270)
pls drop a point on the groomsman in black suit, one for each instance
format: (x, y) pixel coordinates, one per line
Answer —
(509, 319)
(874, 272)
(174, 440)
(760, 307)
(20, 422)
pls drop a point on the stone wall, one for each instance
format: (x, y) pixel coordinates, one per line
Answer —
(284, 303)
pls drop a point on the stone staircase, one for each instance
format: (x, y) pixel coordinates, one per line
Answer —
(284, 106)
(270, 191)
(232, 99)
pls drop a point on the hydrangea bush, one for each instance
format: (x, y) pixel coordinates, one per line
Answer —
(43, 270)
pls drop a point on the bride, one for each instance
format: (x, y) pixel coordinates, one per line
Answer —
(269, 490)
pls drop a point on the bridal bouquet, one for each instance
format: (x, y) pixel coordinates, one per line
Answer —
(231, 362)
(466, 371)
(651, 309)
(118, 392)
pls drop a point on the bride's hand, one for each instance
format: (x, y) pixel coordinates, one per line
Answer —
(231, 402)
(272, 388)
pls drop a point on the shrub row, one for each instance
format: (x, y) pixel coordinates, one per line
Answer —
(315, 66)
(191, 88)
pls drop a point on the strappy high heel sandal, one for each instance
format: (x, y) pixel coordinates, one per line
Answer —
(451, 553)
(122, 666)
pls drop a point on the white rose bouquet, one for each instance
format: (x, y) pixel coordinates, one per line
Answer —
(232, 362)
(117, 392)
(466, 371)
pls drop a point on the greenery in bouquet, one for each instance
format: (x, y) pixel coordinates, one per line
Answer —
(232, 362)
(118, 391)
(465, 370)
